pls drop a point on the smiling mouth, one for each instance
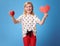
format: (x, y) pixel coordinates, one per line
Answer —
(29, 10)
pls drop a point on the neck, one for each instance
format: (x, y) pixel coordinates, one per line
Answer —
(28, 14)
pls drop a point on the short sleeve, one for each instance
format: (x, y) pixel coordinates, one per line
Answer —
(37, 19)
(19, 18)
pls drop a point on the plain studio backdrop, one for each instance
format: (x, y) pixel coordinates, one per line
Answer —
(47, 35)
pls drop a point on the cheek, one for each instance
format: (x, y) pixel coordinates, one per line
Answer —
(25, 9)
(31, 8)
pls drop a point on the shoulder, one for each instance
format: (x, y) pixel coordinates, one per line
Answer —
(21, 15)
(35, 16)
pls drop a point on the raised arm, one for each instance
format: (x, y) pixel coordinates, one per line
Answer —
(12, 13)
(14, 20)
(43, 19)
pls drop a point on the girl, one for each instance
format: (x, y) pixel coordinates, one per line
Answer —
(29, 20)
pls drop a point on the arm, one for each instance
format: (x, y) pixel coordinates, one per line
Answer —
(43, 19)
(14, 20)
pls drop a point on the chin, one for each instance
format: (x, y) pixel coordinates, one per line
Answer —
(29, 12)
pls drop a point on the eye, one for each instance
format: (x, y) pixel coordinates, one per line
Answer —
(30, 6)
(26, 7)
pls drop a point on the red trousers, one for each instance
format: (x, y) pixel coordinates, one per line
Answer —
(29, 41)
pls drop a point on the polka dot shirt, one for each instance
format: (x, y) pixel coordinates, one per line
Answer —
(28, 23)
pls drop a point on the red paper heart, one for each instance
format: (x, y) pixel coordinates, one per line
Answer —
(12, 13)
(45, 9)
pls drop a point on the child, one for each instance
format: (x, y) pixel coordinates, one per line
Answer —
(29, 20)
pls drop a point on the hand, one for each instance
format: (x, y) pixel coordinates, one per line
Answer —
(11, 13)
(45, 15)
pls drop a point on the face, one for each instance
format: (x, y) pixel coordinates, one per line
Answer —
(28, 8)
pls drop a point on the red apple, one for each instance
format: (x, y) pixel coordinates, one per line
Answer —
(12, 13)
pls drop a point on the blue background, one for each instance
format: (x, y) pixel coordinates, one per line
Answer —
(47, 35)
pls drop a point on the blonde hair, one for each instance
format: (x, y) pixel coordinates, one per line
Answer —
(25, 6)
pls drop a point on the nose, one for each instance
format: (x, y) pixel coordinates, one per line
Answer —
(28, 7)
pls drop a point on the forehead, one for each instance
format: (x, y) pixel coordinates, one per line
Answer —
(28, 5)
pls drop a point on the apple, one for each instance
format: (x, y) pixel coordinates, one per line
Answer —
(11, 13)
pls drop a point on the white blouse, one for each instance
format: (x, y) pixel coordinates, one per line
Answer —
(28, 23)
